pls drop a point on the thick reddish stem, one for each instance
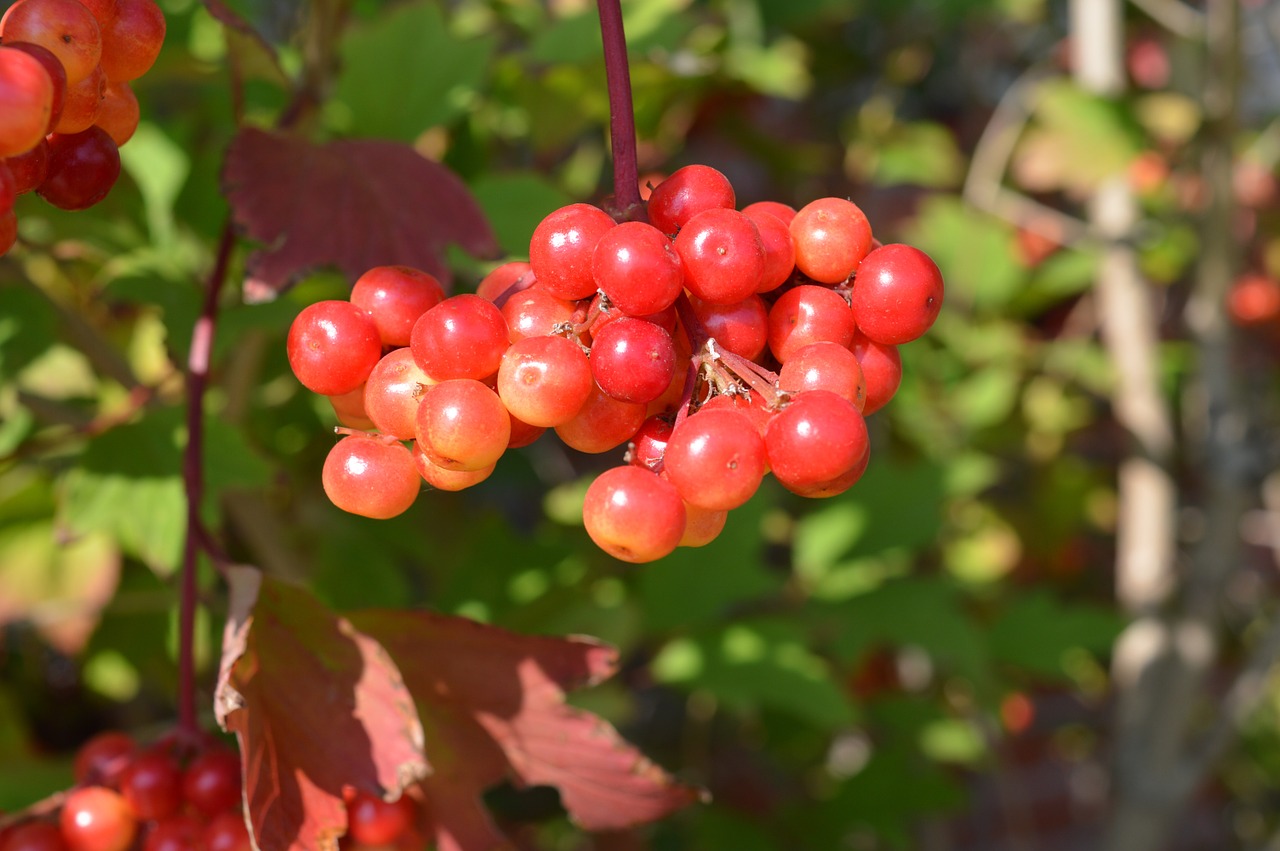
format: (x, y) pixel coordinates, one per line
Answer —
(193, 481)
(622, 117)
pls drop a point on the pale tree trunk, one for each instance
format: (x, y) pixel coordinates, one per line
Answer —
(1163, 658)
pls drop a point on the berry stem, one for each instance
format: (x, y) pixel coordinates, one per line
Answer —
(622, 117)
(692, 325)
(193, 480)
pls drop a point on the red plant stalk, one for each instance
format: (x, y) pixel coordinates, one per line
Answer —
(622, 118)
(193, 482)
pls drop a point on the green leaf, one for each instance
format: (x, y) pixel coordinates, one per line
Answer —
(1036, 631)
(405, 72)
(129, 484)
(159, 167)
(889, 797)
(28, 327)
(1077, 140)
(927, 612)
(697, 586)
(894, 508)
(918, 153)
(755, 665)
(514, 204)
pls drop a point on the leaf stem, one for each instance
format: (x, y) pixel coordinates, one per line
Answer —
(193, 479)
(622, 118)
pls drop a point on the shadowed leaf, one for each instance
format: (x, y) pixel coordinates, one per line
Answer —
(349, 204)
(492, 703)
(317, 706)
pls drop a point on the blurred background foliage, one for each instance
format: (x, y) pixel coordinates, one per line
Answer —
(921, 662)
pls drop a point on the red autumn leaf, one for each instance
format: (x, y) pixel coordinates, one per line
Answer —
(354, 204)
(316, 706)
(492, 705)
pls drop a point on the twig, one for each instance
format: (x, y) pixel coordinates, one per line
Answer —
(43, 807)
(622, 119)
(1175, 16)
(193, 478)
(984, 185)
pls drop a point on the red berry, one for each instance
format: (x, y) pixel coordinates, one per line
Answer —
(722, 254)
(373, 821)
(8, 188)
(535, 313)
(63, 27)
(461, 337)
(26, 101)
(180, 832)
(104, 758)
(370, 476)
(808, 314)
(832, 236)
(633, 360)
(332, 347)
(227, 832)
(349, 408)
(33, 836)
(741, 327)
(131, 42)
(8, 231)
(506, 280)
(897, 294)
(212, 783)
(881, 371)
(30, 169)
(82, 169)
(637, 267)
(602, 423)
(393, 392)
(444, 479)
(562, 247)
(152, 784)
(462, 425)
(649, 444)
(544, 381)
(815, 439)
(702, 525)
(687, 192)
(779, 247)
(716, 459)
(782, 212)
(119, 113)
(82, 105)
(395, 296)
(633, 515)
(824, 366)
(95, 818)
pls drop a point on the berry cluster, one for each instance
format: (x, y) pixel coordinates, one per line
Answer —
(788, 321)
(65, 67)
(128, 798)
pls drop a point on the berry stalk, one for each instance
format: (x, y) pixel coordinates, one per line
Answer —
(193, 480)
(622, 118)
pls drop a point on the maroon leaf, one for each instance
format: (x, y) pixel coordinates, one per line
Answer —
(317, 706)
(492, 705)
(352, 204)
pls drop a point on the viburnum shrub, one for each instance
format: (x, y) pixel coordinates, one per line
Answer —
(708, 343)
(65, 100)
(615, 324)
